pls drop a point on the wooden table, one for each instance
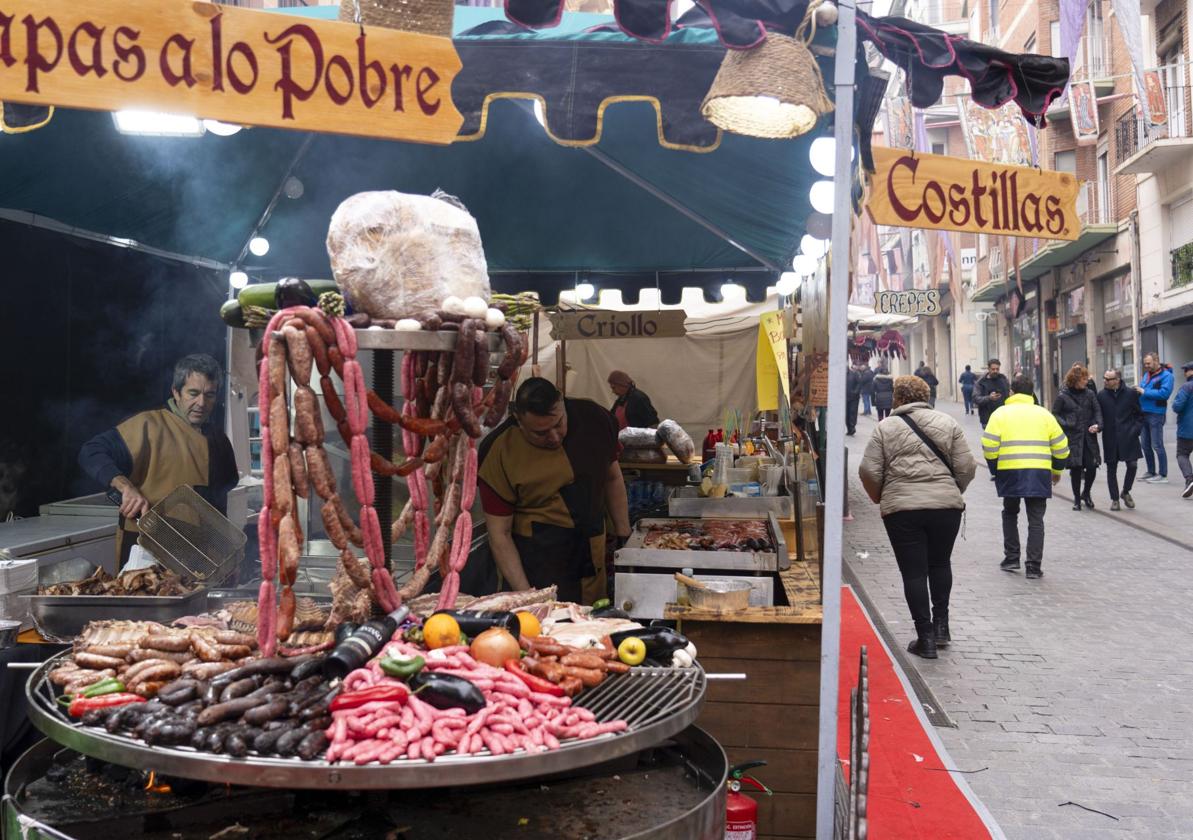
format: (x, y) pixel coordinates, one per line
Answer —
(673, 473)
(772, 715)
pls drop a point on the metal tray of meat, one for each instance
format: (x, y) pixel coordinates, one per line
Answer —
(637, 553)
(656, 703)
(64, 616)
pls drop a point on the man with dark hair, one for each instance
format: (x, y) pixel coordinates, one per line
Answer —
(1026, 451)
(150, 454)
(548, 476)
(991, 391)
(1154, 389)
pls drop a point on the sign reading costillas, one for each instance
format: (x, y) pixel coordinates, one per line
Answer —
(231, 64)
(943, 193)
(584, 324)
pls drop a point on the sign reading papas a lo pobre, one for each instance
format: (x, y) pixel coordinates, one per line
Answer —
(603, 323)
(225, 63)
(943, 193)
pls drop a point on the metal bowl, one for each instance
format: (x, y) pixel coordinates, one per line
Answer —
(8, 633)
(722, 594)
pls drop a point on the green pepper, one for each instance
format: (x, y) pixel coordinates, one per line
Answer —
(109, 686)
(600, 603)
(402, 667)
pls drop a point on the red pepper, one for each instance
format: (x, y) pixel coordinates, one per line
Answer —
(386, 692)
(533, 682)
(81, 705)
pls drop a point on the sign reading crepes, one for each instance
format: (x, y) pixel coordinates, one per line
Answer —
(585, 324)
(910, 302)
(943, 193)
(230, 64)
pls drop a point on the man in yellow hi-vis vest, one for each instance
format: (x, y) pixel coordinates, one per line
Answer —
(1025, 449)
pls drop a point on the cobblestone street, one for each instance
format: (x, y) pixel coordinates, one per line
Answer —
(1070, 689)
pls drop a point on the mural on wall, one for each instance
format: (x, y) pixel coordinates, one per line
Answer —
(1083, 108)
(898, 115)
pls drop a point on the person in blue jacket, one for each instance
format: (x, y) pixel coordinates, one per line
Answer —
(1154, 390)
(967, 380)
(1182, 406)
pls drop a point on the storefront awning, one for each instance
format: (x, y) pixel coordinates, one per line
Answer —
(1056, 254)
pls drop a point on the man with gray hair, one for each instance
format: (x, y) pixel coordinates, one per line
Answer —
(150, 454)
(1122, 420)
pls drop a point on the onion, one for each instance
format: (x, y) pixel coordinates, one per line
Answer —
(475, 307)
(408, 325)
(494, 646)
(453, 304)
(494, 319)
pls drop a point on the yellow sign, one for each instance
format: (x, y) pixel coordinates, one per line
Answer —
(770, 361)
(944, 193)
(230, 64)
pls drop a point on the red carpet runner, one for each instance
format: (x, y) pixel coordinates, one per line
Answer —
(911, 796)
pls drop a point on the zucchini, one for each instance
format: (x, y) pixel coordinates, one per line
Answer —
(262, 294)
(232, 314)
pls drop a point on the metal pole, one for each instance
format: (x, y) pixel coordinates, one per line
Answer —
(834, 491)
(1136, 292)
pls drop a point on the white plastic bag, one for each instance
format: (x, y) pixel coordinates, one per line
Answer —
(139, 558)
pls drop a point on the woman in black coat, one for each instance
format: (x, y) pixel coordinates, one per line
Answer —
(928, 376)
(1080, 416)
(632, 407)
(1122, 420)
(884, 392)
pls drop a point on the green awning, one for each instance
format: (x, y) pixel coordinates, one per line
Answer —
(1056, 253)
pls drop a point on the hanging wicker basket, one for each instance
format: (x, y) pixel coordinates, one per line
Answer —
(426, 17)
(773, 90)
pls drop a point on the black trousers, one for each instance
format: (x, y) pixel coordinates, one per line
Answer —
(882, 412)
(923, 544)
(1076, 474)
(1112, 477)
(1035, 529)
(851, 412)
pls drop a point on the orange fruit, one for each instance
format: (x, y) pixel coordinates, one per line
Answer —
(529, 625)
(440, 631)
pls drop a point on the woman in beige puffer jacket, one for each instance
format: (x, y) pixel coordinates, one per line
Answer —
(921, 503)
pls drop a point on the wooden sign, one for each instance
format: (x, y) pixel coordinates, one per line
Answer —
(585, 324)
(944, 193)
(911, 302)
(225, 63)
(818, 380)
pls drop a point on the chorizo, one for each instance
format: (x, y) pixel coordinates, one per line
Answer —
(501, 393)
(279, 425)
(382, 466)
(590, 677)
(286, 614)
(353, 568)
(319, 471)
(282, 491)
(465, 352)
(480, 360)
(277, 368)
(350, 527)
(298, 471)
(382, 410)
(430, 320)
(289, 548)
(308, 419)
(333, 528)
(337, 360)
(334, 407)
(513, 352)
(437, 450)
(462, 404)
(175, 642)
(318, 350)
(316, 319)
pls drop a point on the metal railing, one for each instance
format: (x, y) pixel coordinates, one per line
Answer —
(1131, 133)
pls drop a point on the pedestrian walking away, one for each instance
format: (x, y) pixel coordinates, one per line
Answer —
(853, 393)
(1026, 450)
(1121, 421)
(967, 381)
(991, 391)
(1079, 414)
(867, 378)
(884, 385)
(1182, 406)
(916, 468)
(1154, 390)
(928, 376)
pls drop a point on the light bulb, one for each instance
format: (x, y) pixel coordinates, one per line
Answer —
(584, 291)
(729, 290)
(259, 246)
(238, 279)
(813, 247)
(788, 283)
(804, 265)
(823, 154)
(822, 196)
(223, 129)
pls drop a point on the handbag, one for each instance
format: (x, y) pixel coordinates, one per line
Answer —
(928, 442)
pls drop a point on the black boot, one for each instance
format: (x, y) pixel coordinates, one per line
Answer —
(925, 641)
(1089, 503)
(940, 627)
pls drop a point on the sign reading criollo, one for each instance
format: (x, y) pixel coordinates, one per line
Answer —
(231, 64)
(943, 193)
(587, 324)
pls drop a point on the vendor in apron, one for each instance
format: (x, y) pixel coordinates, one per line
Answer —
(151, 453)
(547, 478)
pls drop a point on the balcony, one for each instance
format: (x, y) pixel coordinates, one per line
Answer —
(1093, 63)
(1151, 148)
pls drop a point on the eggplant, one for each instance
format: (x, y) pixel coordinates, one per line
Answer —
(659, 641)
(610, 612)
(472, 624)
(444, 691)
(293, 291)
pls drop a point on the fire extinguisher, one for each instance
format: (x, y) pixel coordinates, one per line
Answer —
(741, 811)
